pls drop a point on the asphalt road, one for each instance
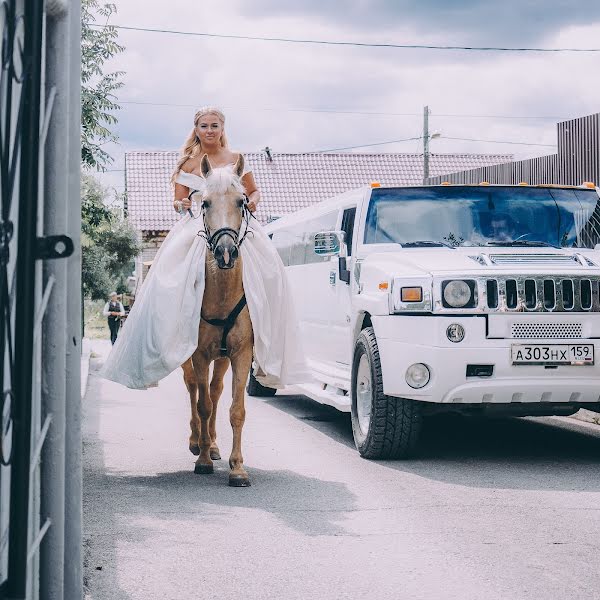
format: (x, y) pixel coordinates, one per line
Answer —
(505, 509)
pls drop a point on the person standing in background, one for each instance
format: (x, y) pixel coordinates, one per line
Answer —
(114, 310)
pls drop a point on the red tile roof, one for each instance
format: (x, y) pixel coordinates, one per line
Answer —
(288, 182)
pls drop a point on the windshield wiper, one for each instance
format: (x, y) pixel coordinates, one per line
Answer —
(426, 244)
(530, 243)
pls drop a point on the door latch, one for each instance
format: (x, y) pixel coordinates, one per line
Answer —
(54, 246)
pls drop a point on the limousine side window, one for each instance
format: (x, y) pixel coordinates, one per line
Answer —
(348, 227)
(296, 244)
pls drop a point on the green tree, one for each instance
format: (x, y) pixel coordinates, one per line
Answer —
(98, 99)
(108, 243)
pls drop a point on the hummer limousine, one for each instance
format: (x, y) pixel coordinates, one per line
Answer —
(482, 299)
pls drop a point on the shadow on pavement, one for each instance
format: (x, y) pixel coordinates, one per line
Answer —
(311, 506)
(512, 453)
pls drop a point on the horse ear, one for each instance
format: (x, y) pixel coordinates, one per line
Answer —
(205, 166)
(239, 166)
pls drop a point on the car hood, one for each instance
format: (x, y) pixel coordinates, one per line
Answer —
(480, 260)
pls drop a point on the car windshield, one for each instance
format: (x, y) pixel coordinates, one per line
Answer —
(479, 216)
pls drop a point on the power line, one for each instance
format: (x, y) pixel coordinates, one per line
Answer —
(341, 43)
(349, 112)
(446, 137)
(368, 145)
(442, 137)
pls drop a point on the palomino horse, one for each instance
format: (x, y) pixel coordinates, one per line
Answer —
(225, 334)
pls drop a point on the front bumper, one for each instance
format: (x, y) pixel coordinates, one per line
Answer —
(404, 340)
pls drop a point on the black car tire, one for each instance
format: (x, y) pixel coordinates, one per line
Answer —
(395, 423)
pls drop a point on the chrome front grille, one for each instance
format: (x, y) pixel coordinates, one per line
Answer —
(546, 331)
(535, 259)
(541, 294)
(547, 259)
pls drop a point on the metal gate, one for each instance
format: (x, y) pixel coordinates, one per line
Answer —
(25, 109)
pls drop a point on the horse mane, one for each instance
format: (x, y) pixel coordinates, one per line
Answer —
(221, 180)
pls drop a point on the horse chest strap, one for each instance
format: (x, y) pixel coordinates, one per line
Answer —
(227, 323)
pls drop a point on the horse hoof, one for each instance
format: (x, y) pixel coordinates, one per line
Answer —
(215, 454)
(204, 469)
(195, 449)
(239, 481)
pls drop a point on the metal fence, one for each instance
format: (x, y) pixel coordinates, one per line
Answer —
(577, 160)
(40, 444)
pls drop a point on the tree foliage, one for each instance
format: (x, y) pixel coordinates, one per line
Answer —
(98, 99)
(108, 243)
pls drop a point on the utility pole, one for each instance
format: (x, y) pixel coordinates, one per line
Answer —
(425, 145)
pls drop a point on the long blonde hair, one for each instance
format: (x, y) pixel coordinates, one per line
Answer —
(192, 145)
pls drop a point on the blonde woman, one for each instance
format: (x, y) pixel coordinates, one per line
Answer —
(208, 137)
(161, 330)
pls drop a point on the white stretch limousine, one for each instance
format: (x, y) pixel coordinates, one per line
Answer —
(482, 299)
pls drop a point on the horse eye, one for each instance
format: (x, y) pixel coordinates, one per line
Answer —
(241, 202)
(205, 204)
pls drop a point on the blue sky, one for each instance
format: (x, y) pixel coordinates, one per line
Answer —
(265, 88)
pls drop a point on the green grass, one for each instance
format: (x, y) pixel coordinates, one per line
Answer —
(95, 324)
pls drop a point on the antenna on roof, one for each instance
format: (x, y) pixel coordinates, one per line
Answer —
(267, 151)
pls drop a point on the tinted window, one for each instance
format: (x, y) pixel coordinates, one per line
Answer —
(475, 216)
(348, 227)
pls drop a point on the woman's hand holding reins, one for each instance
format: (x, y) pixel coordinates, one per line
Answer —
(182, 205)
(252, 202)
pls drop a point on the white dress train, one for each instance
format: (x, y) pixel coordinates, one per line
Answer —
(161, 330)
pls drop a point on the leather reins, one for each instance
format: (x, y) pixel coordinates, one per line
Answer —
(212, 241)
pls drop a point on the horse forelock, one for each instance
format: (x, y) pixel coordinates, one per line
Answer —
(222, 180)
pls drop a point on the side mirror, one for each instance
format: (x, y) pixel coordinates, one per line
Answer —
(330, 243)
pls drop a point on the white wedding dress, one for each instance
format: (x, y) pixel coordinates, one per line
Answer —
(161, 330)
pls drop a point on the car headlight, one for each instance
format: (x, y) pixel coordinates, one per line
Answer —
(459, 293)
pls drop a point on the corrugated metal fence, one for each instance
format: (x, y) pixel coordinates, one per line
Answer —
(577, 160)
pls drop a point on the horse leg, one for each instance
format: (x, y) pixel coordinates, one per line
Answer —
(201, 367)
(220, 367)
(189, 377)
(240, 365)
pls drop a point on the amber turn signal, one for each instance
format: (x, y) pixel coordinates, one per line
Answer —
(411, 294)
(383, 286)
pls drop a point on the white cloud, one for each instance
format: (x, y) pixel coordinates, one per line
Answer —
(249, 77)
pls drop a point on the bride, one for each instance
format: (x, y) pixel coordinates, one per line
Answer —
(161, 330)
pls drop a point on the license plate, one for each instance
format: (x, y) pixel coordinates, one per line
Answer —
(552, 354)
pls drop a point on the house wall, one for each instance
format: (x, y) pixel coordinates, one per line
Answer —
(151, 242)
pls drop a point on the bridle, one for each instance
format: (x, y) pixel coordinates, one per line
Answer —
(213, 238)
(212, 241)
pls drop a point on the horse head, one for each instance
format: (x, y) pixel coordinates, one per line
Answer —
(224, 211)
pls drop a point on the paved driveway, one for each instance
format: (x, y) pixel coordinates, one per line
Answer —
(503, 509)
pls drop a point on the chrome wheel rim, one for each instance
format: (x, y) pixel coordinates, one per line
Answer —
(363, 394)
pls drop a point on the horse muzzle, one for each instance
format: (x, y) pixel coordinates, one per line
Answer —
(226, 253)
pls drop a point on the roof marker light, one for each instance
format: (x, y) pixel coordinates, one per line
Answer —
(384, 285)
(523, 183)
(588, 184)
(485, 183)
(445, 183)
(375, 184)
